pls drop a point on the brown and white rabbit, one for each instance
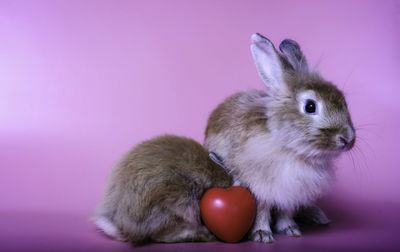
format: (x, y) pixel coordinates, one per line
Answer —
(153, 193)
(281, 143)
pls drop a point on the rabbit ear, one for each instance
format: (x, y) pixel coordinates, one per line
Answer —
(268, 61)
(294, 55)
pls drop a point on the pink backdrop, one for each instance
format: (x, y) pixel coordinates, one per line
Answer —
(82, 81)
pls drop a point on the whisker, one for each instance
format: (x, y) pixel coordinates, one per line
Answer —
(366, 130)
(366, 144)
(319, 62)
(364, 158)
(367, 125)
(346, 81)
(352, 160)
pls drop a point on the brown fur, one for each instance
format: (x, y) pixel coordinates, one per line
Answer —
(236, 119)
(154, 191)
(248, 116)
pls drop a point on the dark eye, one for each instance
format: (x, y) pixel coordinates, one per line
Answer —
(310, 107)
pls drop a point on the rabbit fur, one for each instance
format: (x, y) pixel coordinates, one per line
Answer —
(281, 142)
(265, 140)
(153, 193)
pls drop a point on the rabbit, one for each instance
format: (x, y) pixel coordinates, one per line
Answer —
(153, 193)
(281, 143)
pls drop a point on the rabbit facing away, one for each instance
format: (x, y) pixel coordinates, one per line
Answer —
(153, 193)
(281, 143)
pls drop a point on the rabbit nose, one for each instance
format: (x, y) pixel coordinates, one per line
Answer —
(345, 142)
(342, 140)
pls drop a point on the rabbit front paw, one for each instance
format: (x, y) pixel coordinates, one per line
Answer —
(286, 225)
(292, 231)
(263, 236)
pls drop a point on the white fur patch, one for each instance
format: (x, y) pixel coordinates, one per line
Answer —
(107, 227)
(278, 177)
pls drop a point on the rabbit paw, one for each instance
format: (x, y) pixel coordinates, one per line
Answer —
(292, 231)
(262, 236)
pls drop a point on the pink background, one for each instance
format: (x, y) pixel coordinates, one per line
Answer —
(83, 81)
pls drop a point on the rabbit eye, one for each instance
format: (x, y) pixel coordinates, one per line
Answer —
(310, 107)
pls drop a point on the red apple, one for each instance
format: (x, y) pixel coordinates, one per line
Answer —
(228, 213)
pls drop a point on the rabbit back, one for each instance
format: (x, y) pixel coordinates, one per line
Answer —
(235, 120)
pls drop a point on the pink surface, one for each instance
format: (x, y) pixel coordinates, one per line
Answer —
(82, 81)
(355, 228)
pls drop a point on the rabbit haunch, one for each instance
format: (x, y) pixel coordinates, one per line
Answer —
(153, 193)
